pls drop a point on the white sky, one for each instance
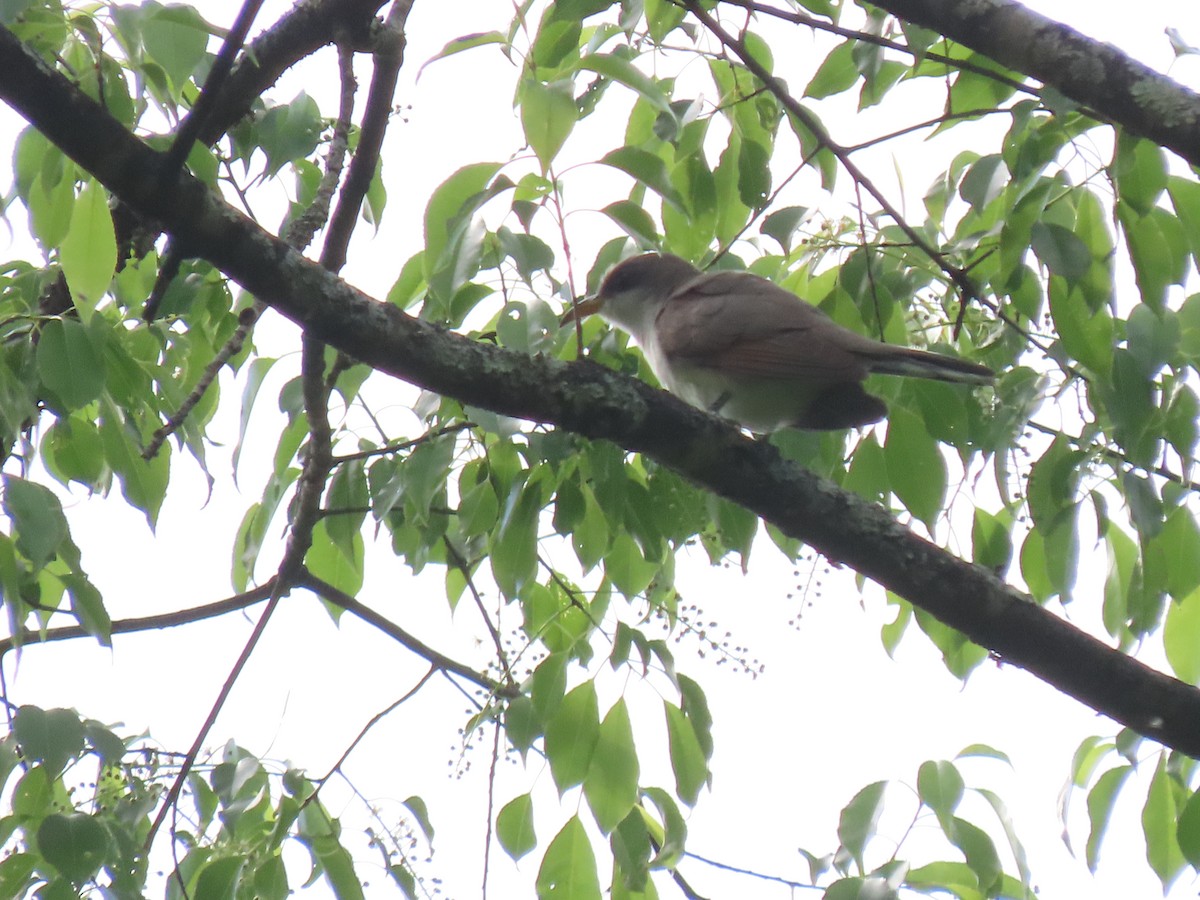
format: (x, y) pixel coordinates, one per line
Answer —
(831, 713)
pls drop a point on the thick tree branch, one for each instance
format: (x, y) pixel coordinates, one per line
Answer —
(599, 403)
(1092, 73)
(308, 26)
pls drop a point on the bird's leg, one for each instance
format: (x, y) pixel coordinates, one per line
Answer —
(716, 406)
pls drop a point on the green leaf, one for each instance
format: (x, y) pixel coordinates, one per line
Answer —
(514, 546)
(690, 231)
(420, 812)
(88, 607)
(53, 737)
(1153, 336)
(1185, 197)
(589, 536)
(631, 848)
(916, 469)
(1059, 552)
(663, 17)
(940, 787)
(514, 827)
(1086, 336)
(1061, 250)
(624, 72)
(1053, 481)
(1100, 805)
(1189, 831)
(445, 207)
(688, 760)
(68, 364)
(1179, 638)
(634, 221)
(991, 541)
(568, 870)
(754, 174)
(548, 114)
(465, 42)
(695, 707)
(549, 684)
(671, 835)
(1159, 818)
(856, 825)
(51, 205)
(143, 482)
(1179, 546)
(1140, 171)
(346, 504)
(556, 38)
(75, 844)
(782, 224)
(571, 736)
(939, 877)
(980, 852)
(16, 874)
(1158, 249)
(37, 517)
(89, 251)
(647, 168)
(271, 880)
(1145, 506)
(611, 784)
(321, 834)
(628, 569)
(176, 38)
(221, 878)
(1010, 832)
(837, 73)
(340, 566)
(959, 654)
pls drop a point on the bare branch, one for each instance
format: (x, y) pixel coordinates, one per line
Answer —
(340, 598)
(31, 638)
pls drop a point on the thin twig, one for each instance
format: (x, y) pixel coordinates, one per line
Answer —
(444, 663)
(194, 121)
(1116, 456)
(404, 445)
(371, 723)
(460, 562)
(298, 233)
(30, 637)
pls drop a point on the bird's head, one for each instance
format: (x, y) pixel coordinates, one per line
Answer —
(634, 291)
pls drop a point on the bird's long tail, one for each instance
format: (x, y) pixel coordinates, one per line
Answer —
(893, 360)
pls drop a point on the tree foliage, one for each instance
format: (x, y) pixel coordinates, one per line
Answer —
(1057, 250)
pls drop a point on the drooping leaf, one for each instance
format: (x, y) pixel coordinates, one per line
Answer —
(52, 737)
(856, 825)
(89, 251)
(74, 843)
(38, 519)
(514, 827)
(611, 783)
(568, 870)
(572, 733)
(548, 115)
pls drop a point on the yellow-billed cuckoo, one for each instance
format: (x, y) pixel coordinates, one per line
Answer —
(741, 347)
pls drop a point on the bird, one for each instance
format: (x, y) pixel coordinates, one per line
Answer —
(741, 347)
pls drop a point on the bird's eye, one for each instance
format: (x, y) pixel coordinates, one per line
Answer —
(623, 277)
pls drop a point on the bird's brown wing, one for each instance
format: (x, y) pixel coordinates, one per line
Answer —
(748, 326)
